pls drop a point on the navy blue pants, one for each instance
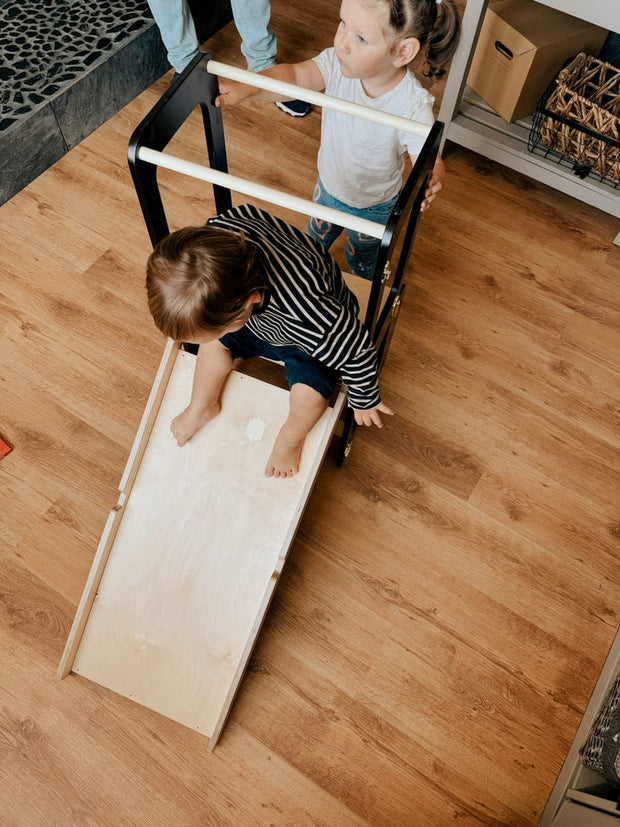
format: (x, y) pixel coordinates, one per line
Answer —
(300, 367)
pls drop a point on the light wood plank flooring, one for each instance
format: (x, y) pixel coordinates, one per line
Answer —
(453, 590)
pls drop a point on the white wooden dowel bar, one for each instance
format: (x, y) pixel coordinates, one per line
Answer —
(273, 196)
(293, 92)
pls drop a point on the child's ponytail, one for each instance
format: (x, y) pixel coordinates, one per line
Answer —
(436, 24)
(443, 39)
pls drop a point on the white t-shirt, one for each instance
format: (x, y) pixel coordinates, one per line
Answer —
(361, 163)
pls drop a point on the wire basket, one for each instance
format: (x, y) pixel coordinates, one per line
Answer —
(601, 751)
(577, 121)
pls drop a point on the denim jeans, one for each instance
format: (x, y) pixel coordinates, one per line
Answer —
(301, 368)
(176, 26)
(360, 250)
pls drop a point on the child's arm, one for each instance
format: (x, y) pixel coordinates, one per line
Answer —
(347, 348)
(435, 183)
(306, 74)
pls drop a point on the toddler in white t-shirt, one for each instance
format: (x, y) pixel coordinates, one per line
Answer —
(361, 163)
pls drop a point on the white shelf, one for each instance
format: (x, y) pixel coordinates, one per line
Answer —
(580, 796)
(478, 128)
(473, 125)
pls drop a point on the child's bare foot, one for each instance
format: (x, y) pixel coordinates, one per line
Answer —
(185, 425)
(285, 457)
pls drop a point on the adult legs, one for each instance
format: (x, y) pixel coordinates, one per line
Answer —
(251, 17)
(176, 26)
(258, 41)
(259, 45)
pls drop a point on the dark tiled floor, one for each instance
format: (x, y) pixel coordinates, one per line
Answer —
(65, 67)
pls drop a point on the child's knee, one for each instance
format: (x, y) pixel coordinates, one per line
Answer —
(361, 254)
(306, 396)
(362, 244)
(321, 231)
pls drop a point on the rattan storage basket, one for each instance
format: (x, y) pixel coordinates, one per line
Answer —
(601, 751)
(578, 119)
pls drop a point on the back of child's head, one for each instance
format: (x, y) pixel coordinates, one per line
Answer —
(436, 24)
(199, 279)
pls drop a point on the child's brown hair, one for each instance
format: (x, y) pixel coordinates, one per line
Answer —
(436, 25)
(199, 278)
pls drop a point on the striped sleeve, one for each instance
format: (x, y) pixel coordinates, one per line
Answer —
(348, 349)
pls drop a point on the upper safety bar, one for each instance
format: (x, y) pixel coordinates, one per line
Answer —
(293, 92)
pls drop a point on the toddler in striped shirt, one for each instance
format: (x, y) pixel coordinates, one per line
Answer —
(249, 284)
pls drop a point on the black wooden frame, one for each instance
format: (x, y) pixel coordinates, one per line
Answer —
(197, 87)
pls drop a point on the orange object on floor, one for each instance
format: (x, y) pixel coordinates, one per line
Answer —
(5, 448)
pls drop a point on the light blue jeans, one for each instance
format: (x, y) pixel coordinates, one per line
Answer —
(176, 26)
(360, 250)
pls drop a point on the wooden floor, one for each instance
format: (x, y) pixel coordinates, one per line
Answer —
(453, 590)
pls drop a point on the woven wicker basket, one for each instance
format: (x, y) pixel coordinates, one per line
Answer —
(579, 118)
(601, 751)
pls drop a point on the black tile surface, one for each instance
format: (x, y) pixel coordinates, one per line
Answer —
(108, 86)
(66, 66)
(28, 151)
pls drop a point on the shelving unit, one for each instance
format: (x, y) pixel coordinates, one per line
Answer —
(580, 796)
(472, 124)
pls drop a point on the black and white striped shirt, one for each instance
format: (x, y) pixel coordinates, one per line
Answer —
(309, 306)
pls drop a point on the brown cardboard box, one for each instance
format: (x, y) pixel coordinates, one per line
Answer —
(521, 48)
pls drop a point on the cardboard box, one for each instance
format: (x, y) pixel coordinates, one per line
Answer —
(521, 48)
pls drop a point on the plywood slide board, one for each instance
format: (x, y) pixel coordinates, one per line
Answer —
(196, 544)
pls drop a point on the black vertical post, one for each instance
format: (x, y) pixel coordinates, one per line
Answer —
(196, 86)
(403, 221)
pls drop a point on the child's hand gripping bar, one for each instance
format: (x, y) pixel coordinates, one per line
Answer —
(274, 196)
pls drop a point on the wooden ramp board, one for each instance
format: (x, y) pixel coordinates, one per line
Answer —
(182, 581)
